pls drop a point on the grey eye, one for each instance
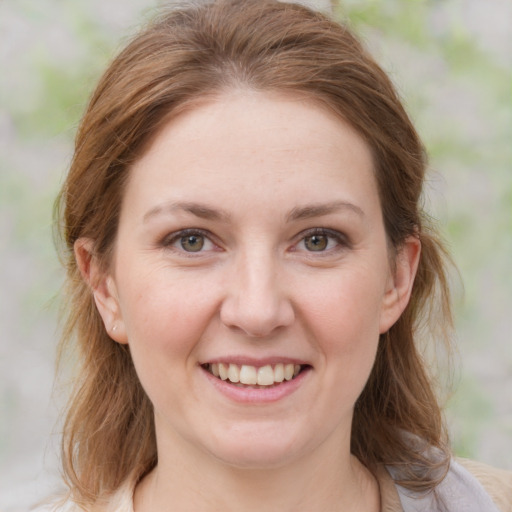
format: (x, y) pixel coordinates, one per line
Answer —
(192, 243)
(316, 242)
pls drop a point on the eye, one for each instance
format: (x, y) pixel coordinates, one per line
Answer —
(189, 240)
(192, 243)
(322, 240)
(316, 242)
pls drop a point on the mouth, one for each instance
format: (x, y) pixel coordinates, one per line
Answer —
(255, 377)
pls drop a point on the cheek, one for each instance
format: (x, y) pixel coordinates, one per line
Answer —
(164, 323)
(347, 306)
(165, 314)
(344, 318)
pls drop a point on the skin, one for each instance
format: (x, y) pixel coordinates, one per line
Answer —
(256, 176)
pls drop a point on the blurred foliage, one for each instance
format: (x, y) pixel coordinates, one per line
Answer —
(460, 98)
(471, 407)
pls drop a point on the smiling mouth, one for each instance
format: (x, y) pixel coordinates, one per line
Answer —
(246, 375)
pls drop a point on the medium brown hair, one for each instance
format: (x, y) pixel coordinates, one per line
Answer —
(180, 57)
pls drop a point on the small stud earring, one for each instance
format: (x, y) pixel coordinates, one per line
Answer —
(114, 328)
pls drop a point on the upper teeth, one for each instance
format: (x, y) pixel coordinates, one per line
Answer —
(252, 375)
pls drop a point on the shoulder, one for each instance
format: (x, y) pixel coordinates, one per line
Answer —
(120, 501)
(496, 482)
(55, 505)
(467, 486)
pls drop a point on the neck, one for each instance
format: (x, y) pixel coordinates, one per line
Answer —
(329, 480)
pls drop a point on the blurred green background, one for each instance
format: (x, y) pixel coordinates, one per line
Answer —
(452, 63)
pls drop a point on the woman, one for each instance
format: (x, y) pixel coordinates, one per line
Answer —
(248, 267)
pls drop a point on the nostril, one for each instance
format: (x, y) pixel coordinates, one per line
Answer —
(257, 319)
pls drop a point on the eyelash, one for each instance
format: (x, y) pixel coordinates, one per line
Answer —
(173, 238)
(340, 239)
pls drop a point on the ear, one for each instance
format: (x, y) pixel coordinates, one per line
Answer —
(400, 283)
(103, 288)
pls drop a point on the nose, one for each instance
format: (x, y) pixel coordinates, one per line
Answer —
(256, 302)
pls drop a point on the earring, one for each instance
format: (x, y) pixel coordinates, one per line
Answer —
(114, 328)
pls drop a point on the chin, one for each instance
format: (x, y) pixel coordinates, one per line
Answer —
(257, 451)
(256, 459)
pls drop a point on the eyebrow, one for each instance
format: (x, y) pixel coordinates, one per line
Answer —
(298, 213)
(319, 209)
(199, 210)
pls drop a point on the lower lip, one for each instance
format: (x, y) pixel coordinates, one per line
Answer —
(257, 395)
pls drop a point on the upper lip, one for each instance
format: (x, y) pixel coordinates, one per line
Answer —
(254, 361)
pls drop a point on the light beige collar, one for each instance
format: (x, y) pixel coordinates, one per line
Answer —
(389, 498)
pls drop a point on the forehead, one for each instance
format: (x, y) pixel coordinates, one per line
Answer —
(241, 142)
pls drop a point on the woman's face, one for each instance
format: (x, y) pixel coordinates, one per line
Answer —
(251, 243)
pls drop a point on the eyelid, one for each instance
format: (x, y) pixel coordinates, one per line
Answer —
(170, 239)
(342, 240)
